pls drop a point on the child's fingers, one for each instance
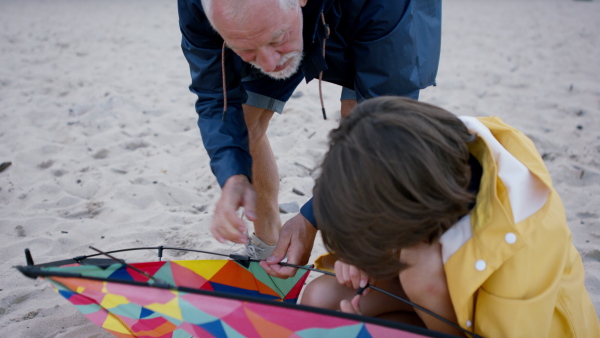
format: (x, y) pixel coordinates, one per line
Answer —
(350, 275)
(347, 307)
(355, 276)
(356, 305)
(359, 278)
(363, 290)
(352, 306)
(339, 272)
(342, 274)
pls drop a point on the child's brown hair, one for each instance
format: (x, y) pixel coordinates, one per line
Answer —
(396, 173)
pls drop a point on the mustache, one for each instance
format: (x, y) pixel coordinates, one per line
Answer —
(288, 56)
(282, 61)
(296, 59)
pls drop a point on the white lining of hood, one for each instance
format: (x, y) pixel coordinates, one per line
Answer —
(527, 193)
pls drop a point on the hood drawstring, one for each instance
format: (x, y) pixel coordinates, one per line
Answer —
(327, 32)
(223, 81)
(223, 78)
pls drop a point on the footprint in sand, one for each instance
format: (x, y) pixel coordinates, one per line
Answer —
(20, 231)
(101, 154)
(46, 164)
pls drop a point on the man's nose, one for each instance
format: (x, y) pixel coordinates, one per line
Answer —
(267, 58)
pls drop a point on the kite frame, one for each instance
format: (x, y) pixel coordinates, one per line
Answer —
(33, 271)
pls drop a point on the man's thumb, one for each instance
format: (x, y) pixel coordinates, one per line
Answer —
(278, 253)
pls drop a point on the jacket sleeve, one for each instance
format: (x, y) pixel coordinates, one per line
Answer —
(397, 54)
(224, 134)
(308, 212)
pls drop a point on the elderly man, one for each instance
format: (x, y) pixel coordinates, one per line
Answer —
(247, 57)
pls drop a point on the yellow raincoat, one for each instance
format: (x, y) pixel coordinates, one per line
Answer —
(511, 267)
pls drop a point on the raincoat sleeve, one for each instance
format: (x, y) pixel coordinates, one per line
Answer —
(225, 135)
(397, 54)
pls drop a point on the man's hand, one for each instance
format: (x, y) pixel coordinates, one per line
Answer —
(227, 225)
(296, 240)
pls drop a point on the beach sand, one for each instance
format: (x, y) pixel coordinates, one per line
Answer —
(98, 123)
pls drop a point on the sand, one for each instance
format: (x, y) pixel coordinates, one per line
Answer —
(98, 123)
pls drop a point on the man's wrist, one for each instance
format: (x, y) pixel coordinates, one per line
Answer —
(239, 178)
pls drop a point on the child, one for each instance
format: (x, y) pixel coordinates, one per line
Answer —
(456, 214)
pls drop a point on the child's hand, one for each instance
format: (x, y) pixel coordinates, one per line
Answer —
(352, 307)
(351, 276)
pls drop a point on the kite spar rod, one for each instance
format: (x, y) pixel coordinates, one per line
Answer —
(144, 273)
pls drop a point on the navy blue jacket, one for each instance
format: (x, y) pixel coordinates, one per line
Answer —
(376, 47)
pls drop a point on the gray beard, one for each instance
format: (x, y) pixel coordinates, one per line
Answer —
(290, 70)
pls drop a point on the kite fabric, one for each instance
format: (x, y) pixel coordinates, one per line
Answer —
(202, 298)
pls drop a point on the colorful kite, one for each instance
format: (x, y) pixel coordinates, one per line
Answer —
(200, 298)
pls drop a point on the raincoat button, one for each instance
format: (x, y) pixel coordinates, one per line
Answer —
(469, 323)
(480, 265)
(510, 238)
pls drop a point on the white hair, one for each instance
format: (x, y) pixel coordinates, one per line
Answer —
(235, 10)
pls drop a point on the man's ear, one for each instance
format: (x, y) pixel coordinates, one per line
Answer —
(302, 2)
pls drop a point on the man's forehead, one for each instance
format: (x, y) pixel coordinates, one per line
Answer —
(263, 28)
(245, 11)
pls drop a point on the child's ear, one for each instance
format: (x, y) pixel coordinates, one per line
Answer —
(472, 138)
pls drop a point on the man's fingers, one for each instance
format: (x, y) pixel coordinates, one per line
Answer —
(217, 235)
(250, 215)
(277, 270)
(271, 265)
(296, 241)
(227, 225)
(282, 247)
(280, 250)
(249, 204)
(227, 233)
(222, 235)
